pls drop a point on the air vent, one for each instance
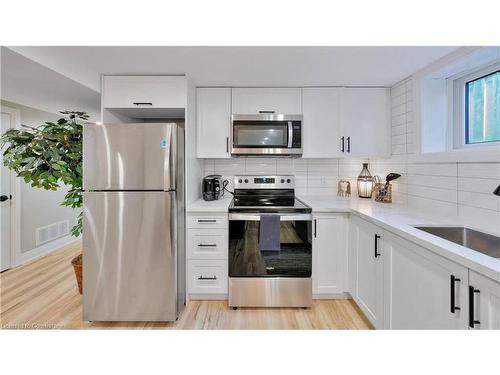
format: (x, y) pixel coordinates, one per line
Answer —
(51, 232)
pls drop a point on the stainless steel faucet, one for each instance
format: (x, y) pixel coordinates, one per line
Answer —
(497, 191)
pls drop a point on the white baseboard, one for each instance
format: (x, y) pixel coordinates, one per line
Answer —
(207, 297)
(332, 296)
(46, 248)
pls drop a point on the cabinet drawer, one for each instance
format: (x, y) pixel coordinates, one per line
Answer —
(144, 91)
(207, 244)
(207, 276)
(207, 221)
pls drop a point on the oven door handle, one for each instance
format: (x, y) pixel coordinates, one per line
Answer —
(283, 216)
(290, 134)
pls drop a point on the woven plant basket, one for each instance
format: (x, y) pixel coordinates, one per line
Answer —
(78, 267)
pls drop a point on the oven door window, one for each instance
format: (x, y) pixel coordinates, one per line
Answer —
(249, 134)
(294, 259)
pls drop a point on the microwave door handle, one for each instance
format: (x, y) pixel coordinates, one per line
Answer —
(290, 134)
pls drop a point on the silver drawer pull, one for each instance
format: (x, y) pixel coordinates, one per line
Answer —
(207, 221)
(207, 245)
(207, 278)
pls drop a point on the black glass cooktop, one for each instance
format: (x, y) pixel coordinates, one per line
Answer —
(265, 201)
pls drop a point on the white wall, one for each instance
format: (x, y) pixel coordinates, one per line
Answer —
(39, 207)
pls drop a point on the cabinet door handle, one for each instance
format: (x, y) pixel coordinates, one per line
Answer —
(263, 112)
(342, 147)
(143, 103)
(227, 145)
(453, 280)
(315, 228)
(207, 221)
(472, 321)
(348, 144)
(377, 254)
(207, 245)
(207, 278)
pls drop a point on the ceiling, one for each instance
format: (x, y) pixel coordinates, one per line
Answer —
(241, 66)
(31, 84)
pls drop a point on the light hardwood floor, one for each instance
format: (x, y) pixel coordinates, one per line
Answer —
(43, 295)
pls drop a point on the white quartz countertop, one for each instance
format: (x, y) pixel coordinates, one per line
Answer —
(400, 220)
(219, 205)
(395, 218)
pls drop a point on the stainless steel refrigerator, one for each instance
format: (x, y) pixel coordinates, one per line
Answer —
(133, 222)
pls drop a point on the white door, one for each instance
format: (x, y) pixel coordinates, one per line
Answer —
(247, 101)
(321, 131)
(213, 121)
(329, 254)
(8, 120)
(422, 290)
(366, 122)
(369, 270)
(484, 302)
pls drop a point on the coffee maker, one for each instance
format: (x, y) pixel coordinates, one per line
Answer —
(213, 187)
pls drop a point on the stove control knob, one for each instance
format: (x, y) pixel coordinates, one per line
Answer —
(282, 181)
(246, 181)
(288, 181)
(240, 180)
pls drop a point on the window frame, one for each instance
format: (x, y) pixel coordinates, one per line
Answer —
(460, 109)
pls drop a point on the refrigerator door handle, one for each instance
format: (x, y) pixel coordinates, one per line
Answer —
(169, 168)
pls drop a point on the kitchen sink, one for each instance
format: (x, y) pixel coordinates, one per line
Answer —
(483, 242)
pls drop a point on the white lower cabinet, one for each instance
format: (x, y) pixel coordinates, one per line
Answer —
(329, 254)
(422, 289)
(207, 254)
(484, 302)
(207, 276)
(366, 267)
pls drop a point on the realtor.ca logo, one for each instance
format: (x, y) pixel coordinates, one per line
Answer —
(31, 326)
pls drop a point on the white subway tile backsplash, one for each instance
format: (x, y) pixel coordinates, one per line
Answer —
(441, 169)
(209, 167)
(480, 218)
(229, 166)
(445, 195)
(399, 149)
(260, 166)
(398, 130)
(479, 200)
(434, 206)
(477, 185)
(323, 167)
(479, 170)
(441, 182)
(399, 139)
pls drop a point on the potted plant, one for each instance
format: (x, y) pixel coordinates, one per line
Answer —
(48, 156)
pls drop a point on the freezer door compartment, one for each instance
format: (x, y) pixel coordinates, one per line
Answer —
(129, 256)
(140, 156)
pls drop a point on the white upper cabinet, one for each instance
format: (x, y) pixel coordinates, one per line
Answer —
(329, 254)
(422, 290)
(484, 302)
(144, 91)
(366, 122)
(321, 131)
(248, 101)
(213, 121)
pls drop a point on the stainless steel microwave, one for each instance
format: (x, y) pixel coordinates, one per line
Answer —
(266, 135)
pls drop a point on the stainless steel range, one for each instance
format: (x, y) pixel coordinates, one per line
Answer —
(270, 235)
